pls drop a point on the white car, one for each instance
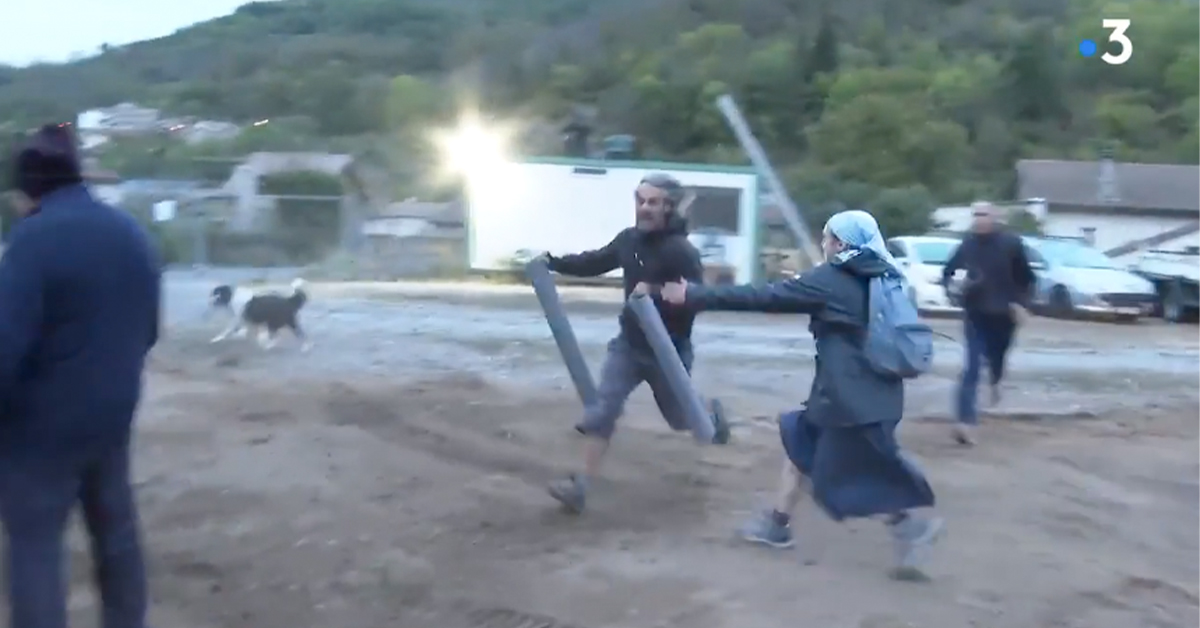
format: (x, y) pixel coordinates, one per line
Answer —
(922, 259)
(1075, 279)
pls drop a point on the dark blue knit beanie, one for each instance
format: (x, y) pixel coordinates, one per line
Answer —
(47, 161)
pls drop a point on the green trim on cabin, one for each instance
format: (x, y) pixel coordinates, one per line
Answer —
(637, 165)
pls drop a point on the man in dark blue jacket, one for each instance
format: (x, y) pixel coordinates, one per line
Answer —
(997, 288)
(79, 310)
(650, 254)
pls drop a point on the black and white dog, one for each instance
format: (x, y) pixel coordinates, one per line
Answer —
(265, 314)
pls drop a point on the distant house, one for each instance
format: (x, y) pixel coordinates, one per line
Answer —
(125, 118)
(1120, 208)
(208, 131)
(103, 183)
(95, 127)
(413, 218)
(415, 237)
(252, 210)
(133, 193)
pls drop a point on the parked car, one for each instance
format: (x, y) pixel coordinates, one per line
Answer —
(921, 259)
(1176, 278)
(1076, 280)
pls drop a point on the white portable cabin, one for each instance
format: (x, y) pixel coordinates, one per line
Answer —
(567, 205)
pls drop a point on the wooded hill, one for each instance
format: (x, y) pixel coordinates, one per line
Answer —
(892, 104)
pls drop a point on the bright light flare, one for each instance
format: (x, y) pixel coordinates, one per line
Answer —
(473, 149)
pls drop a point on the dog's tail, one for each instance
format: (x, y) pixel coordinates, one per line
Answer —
(298, 297)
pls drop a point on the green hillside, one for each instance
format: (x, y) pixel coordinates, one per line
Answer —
(889, 103)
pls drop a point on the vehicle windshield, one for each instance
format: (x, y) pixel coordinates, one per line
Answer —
(935, 252)
(1073, 255)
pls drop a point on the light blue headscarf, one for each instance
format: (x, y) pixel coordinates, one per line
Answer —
(858, 230)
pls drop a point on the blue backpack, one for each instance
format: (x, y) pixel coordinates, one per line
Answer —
(898, 343)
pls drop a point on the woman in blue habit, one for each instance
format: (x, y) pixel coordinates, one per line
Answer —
(842, 446)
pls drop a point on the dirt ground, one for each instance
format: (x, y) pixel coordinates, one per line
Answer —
(394, 476)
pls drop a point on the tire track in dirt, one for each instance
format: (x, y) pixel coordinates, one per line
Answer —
(511, 521)
(1141, 601)
(470, 614)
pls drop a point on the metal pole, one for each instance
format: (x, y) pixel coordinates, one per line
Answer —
(199, 243)
(758, 157)
(677, 376)
(195, 221)
(560, 327)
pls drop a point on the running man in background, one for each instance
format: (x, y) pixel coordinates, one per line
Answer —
(842, 447)
(994, 297)
(650, 254)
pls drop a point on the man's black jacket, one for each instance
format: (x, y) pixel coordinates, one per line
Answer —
(998, 272)
(651, 257)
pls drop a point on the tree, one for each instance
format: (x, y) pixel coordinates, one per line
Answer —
(823, 59)
(820, 63)
(9, 142)
(1031, 77)
(1127, 120)
(865, 99)
(902, 211)
(411, 102)
(889, 141)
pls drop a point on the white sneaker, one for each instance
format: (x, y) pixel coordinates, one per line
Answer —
(964, 434)
(913, 540)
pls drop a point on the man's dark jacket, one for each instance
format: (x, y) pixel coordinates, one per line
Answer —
(651, 257)
(846, 390)
(79, 310)
(998, 272)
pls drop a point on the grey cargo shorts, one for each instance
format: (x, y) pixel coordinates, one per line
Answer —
(625, 368)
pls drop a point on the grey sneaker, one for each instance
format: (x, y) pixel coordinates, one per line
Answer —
(964, 435)
(764, 530)
(720, 423)
(570, 493)
(913, 539)
(995, 395)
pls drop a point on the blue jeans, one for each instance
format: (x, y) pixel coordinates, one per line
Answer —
(987, 338)
(36, 499)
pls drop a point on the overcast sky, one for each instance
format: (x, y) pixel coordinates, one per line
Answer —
(54, 30)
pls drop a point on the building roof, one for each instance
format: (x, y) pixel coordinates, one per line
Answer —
(433, 212)
(100, 175)
(1111, 184)
(160, 186)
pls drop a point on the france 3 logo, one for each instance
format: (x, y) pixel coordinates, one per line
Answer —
(1118, 38)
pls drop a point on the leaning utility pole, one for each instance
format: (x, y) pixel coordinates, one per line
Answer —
(758, 157)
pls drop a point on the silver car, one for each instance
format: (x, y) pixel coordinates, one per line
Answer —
(1077, 280)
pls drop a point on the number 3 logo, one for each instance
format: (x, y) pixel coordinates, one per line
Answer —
(1118, 36)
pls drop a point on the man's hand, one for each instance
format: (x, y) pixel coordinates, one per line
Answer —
(642, 289)
(675, 293)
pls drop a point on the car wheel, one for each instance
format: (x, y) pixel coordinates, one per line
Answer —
(1060, 303)
(1172, 304)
